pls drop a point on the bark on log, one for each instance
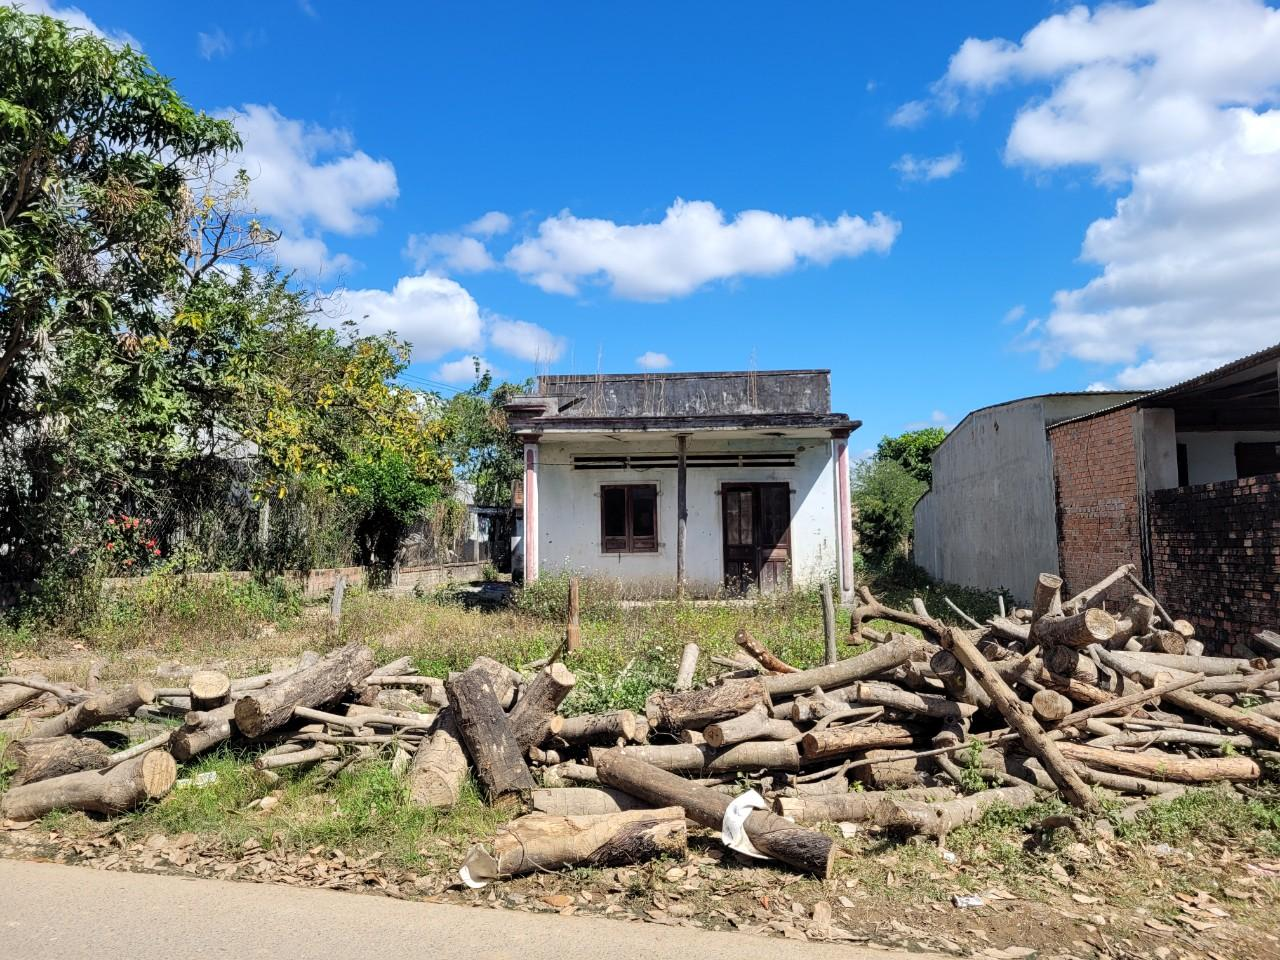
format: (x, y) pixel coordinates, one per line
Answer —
(1077, 630)
(439, 768)
(1157, 765)
(210, 689)
(70, 695)
(259, 712)
(584, 801)
(1012, 709)
(755, 724)
(890, 770)
(957, 681)
(758, 755)
(842, 741)
(1195, 738)
(1086, 597)
(1123, 783)
(1071, 664)
(1136, 621)
(1164, 642)
(873, 609)
(1238, 683)
(1050, 706)
(113, 791)
(762, 654)
(488, 737)
(695, 709)
(201, 732)
(683, 757)
(539, 842)
(534, 710)
(41, 759)
(99, 708)
(15, 695)
(506, 682)
(939, 819)
(598, 728)
(851, 806)
(296, 758)
(864, 665)
(1209, 666)
(688, 667)
(1046, 600)
(804, 849)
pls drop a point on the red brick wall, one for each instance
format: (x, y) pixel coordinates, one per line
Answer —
(1215, 555)
(1096, 477)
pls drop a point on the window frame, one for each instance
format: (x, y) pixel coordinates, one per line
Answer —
(634, 544)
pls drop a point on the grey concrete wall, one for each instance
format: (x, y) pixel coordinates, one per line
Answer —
(691, 394)
(989, 520)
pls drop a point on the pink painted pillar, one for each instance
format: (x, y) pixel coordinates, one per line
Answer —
(530, 512)
(844, 515)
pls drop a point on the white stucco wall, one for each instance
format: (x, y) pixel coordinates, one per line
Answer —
(569, 510)
(1211, 456)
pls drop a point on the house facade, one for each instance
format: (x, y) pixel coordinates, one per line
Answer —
(701, 483)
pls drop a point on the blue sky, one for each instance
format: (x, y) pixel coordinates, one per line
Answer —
(379, 133)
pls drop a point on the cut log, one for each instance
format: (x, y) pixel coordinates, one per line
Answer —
(762, 654)
(260, 712)
(884, 657)
(506, 682)
(210, 689)
(572, 627)
(297, 758)
(46, 757)
(71, 695)
(694, 709)
(540, 842)
(851, 806)
(439, 768)
(1136, 621)
(688, 667)
(684, 757)
(157, 742)
(873, 609)
(1157, 765)
(202, 731)
(940, 818)
(1209, 666)
(1070, 664)
(569, 772)
(757, 755)
(113, 791)
(1267, 641)
(755, 724)
(1050, 706)
(584, 801)
(1047, 597)
(1076, 630)
(488, 737)
(1085, 598)
(1161, 641)
(806, 850)
(99, 708)
(921, 704)
(1012, 709)
(597, 728)
(842, 741)
(960, 686)
(15, 695)
(1123, 783)
(533, 712)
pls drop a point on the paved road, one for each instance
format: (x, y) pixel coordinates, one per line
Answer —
(53, 912)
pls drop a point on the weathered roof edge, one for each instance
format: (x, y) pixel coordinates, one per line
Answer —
(748, 421)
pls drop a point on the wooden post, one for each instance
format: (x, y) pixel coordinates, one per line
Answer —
(530, 509)
(682, 511)
(572, 631)
(335, 604)
(844, 515)
(829, 622)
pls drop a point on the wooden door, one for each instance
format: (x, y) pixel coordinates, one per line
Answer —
(757, 536)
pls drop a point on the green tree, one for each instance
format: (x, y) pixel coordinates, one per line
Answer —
(486, 455)
(885, 494)
(912, 450)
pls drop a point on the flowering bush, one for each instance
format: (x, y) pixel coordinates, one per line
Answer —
(129, 544)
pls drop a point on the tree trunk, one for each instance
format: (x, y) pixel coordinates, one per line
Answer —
(759, 755)
(842, 741)
(584, 801)
(884, 657)
(1050, 706)
(755, 724)
(487, 735)
(597, 728)
(506, 682)
(1077, 630)
(1071, 664)
(99, 708)
(939, 819)
(688, 667)
(539, 842)
(201, 732)
(684, 757)
(41, 759)
(209, 689)
(1157, 765)
(770, 834)
(439, 768)
(960, 686)
(534, 710)
(113, 791)
(849, 806)
(1011, 708)
(891, 770)
(260, 712)
(1047, 599)
(695, 709)
(762, 654)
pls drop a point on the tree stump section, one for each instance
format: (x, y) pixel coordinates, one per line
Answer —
(44, 758)
(113, 791)
(535, 709)
(842, 741)
(850, 806)
(209, 689)
(262, 711)
(439, 768)
(694, 709)
(486, 733)
(1077, 630)
(597, 728)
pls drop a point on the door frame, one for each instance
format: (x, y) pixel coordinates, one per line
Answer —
(758, 548)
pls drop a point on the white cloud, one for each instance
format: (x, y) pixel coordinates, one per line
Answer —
(936, 419)
(691, 246)
(463, 370)
(448, 253)
(492, 224)
(75, 17)
(525, 340)
(1175, 101)
(910, 114)
(213, 44)
(435, 314)
(1015, 313)
(912, 167)
(310, 256)
(309, 177)
(649, 360)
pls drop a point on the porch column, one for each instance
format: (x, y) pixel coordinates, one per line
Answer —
(682, 511)
(530, 509)
(844, 516)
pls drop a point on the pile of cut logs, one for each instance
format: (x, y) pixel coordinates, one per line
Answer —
(1064, 697)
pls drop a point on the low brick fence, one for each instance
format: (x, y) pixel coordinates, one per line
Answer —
(1215, 555)
(320, 582)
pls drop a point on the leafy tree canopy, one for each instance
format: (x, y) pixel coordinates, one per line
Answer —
(912, 450)
(486, 454)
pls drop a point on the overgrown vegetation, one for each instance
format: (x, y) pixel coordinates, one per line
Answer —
(886, 487)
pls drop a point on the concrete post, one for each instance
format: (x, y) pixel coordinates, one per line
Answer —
(682, 511)
(531, 528)
(844, 513)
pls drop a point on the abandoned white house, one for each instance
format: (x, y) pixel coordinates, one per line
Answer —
(697, 482)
